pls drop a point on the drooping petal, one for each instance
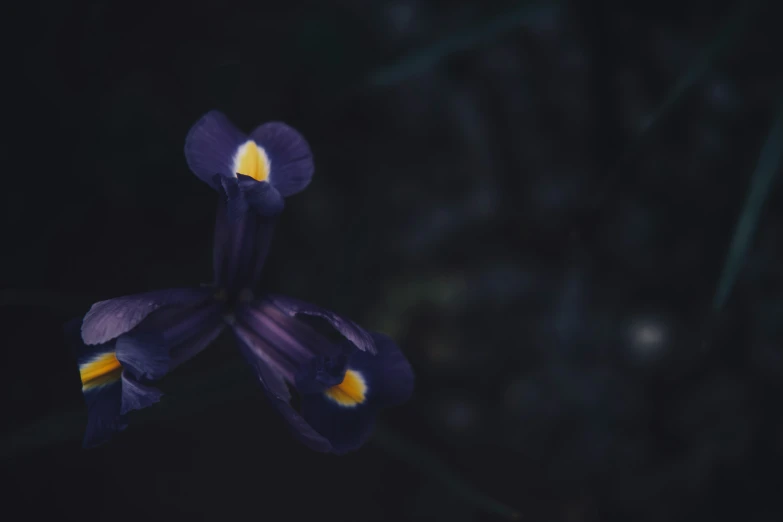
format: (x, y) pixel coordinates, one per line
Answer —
(148, 351)
(103, 415)
(108, 406)
(340, 388)
(242, 240)
(211, 145)
(301, 429)
(271, 370)
(276, 390)
(109, 391)
(194, 345)
(136, 396)
(290, 158)
(345, 429)
(350, 330)
(98, 364)
(109, 319)
(285, 332)
(321, 373)
(345, 413)
(389, 371)
(143, 355)
(144, 351)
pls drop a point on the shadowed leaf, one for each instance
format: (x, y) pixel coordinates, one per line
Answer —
(768, 165)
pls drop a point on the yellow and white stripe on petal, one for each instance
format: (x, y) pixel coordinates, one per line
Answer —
(349, 393)
(251, 160)
(101, 370)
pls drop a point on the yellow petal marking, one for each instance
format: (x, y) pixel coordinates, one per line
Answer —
(101, 370)
(251, 160)
(349, 393)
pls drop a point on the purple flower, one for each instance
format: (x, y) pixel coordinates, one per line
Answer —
(271, 163)
(341, 384)
(132, 341)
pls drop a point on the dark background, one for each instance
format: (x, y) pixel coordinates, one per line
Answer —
(535, 200)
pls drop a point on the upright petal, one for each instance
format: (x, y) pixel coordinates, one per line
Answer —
(211, 145)
(261, 196)
(236, 204)
(109, 319)
(291, 162)
(241, 242)
(347, 328)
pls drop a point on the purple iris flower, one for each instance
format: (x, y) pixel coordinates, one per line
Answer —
(340, 382)
(272, 162)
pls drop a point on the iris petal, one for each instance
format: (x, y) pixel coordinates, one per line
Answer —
(136, 396)
(256, 353)
(321, 373)
(289, 154)
(242, 240)
(114, 394)
(347, 328)
(213, 146)
(235, 202)
(210, 147)
(275, 388)
(147, 351)
(143, 355)
(195, 344)
(341, 389)
(390, 372)
(345, 429)
(286, 332)
(103, 415)
(387, 380)
(261, 196)
(109, 319)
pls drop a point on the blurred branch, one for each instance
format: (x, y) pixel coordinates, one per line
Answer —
(734, 27)
(768, 165)
(425, 58)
